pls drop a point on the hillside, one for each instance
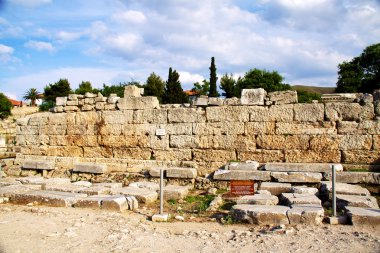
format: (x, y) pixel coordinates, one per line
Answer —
(314, 89)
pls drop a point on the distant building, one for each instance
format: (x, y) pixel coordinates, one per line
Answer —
(15, 103)
(192, 94)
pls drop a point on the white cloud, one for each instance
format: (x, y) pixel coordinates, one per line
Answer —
(30, 2)
(5, 53)
(187, 79)
(40, 46)
(130, 16)
(67, 36)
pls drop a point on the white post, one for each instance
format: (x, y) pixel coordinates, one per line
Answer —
(161, 191)
(334, 190)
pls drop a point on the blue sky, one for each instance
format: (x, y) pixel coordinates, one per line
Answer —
(112, 41)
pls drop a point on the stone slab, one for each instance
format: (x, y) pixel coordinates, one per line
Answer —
(242, 175)
(343, 188)
(63, 187)
(83, 183)
(306, 214)
(258, 199)
(94, 168)
(283, 97)
(109, 185)
(96, 190)
(359, 216)
(137, 103)
(355, 177)
(304, 190)
(146, 185)
(302, 167)
(48, 198)
(181, 173)
(115, 203)
(133, 203)
(175, 192)
(252, 165)
(31, 180)
(94, 201)
(142, 195)
(299, 199)
(10, 190)
(160, 217)
(275, 188)
(356, 201)
(155, 171)
(253, 96)
(260, 214)
(297, 177)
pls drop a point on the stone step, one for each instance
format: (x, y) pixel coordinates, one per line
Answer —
(306, 214)
(107, 202)
(343, 188)
(356, 201)
(258, 199)
(146, 185)
(174, 172)
(242, 175)
(359, 216)
(299, 199)
(249, 165)
(63, 188)
(93, 168)
(301, 167)
(175, 192)
(260, 214)
(142, 195)
(275, 188)
(38, 165)
(42, 181)
(355, 177)
(304, 190)
(10, 190)
(297, 177)
(48, 198)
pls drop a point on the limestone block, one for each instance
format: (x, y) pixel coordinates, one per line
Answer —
(48, 198)
(309, 156)
(29, 164)
(55, 130)
(115, 203)
(278, 113)
(248, 165)
(150, 116)
(155, 171)
(177, 128)
(71, 97)
(325, 142)
(89, 95)
(10, 190)
(306, 214)
(173, 155)
(133, 203)
(309, 112)
(70, 108)
(201, 101)
(88, 107)
(58, 109)
(133, 153)
(283, 97)
(361, 156)
(110, 107)
(363, 216)
(349, 111)
(232, 101)
(155, 142)
(72, 102)
(90, 168)
(299, 199)
(343, 188)
(213, 155)
(297, 177)
(352, 142)
(355, 200)
(376, 142)
(261, 155)
(175, 192)
(136, 103)
(160, 217)
(304, 190)
(314, 128)
(227, 114)
(275, 188)
(89, 101)
(83, 183)
(153, 186)
(253, 96)
(377, 107)
(95, 190)
(99, 106)
(94, 152)
(355, 177)
(45, 165)
(186, 115)
(139, 129)
(60, 101)
(213, 101)
(101, 99)
(241, 175)
(260, 214)
(94, 201)
(182, 141)
(133, 91)
(62, 187)
(258, 199)
(142, 195)
(305, 167)
(110, 129)
(219, 128)
(112, 100)
(28, 130)
(230, 142)
(175, 172)
(282, 141)
(260, 127)
(110, 185)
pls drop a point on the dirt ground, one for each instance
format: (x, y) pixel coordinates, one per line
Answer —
(51, 229)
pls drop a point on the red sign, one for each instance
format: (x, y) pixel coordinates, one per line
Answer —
(242, 187)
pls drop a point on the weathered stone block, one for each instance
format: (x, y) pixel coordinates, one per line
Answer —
(309, 112)
(260, 214)
(261, 155)
(361, 157)
(87, 107)
(297, 177)
(133, 153)
(136, 103)
(310, 128)
(258, 199)
(201, 101)
(175, 192)
(178, 128)
(278, 113)
(357, 201)
(48, 198)
(181, 172)
(275, 188)
(60, 101)
(325, 142)
(354, 142)
(182, 141)
(94, 201)
(151, 116)
(90, 168)
(309, 156)
(96, 152)
(230, 142)
(306, 214)
(232, 101)
(253, 96)
(363, 216)
(117, 117)
(302, 167)
(213, 101)
(173, 155)
(186, 115)
(72, 102)
(241, 175)
(249, 165)
(213, 155)
(115, 203)
(89, 95)
(355, 177)
(282, 141)
(227, 114)
(112, 100)
(218, 128)
(343, 188)
(299, 199)
(283, 97)
(133, 91)
(143, 195)
(349, 111)
(260, 127)
(146, 185)
(304, 190)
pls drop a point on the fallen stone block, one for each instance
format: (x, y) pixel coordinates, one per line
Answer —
(213, 101)
(302, 167)
(283, 97)
(343, 188)
(132, 203)
(359, 216)
(304, 190)
(275, 188)
(143, 195)
(160, 217)
(299, 199)
(10, 190)
(60, 101)
(297, 177)
(45, 165)
(242, 175)
(94, 201)
(109, 185)
(356, 201)
(355, 177)
(31, 180)
(201, 101)
(146, 185)
(252, 165)
(175, 192)
(94, 168)
(62, 188)
(306, 214)
(181, 173)
(258, 199)
(260, 214)
(9, 181)
(253, 96)
(155, 172)
(96, 190)
(133, 91)
(48, 198)
(115, 203)
(83, 183)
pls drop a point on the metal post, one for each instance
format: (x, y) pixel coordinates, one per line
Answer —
(333, 190)
(161, 191)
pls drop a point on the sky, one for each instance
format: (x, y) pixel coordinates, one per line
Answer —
(113, 41)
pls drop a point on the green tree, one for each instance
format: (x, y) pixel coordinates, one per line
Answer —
(5, 106)
(307, 97)
(118, 89)
(213, 78)
(362, 73)
(202, 88)
(59, 89)
(228, 84)
(173, 92)
(32, 94)
(85, 87)
(154, 86)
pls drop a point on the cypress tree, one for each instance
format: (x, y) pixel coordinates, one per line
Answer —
(213, 78)
(173, 92)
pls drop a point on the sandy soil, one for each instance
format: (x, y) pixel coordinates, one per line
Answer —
(46, 229)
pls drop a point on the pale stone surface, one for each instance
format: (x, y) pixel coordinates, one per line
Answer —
(115, 203)
(155, 171)
(304, 190)
(275, 188)
(282, 141)
(136, 103)
(146, 185)
(355, 177)
(261, 155)
(343, 188)
(10, 190)
(310, 156)
(201, 101)
(213, 155)
(260, 127)
(241, 175)
(309, 112)
(357, 201)
(62, 187)
(94, 201)
(258, 199)
(160, 217)
(362, 127)
(110, 185)
(363, 216)
(90, 168)
(96, 190)
(297, 177)
(218, 128)
(181, 172)
(186, 115)
(213, 101)
(175, 192)
(283, 97)
(133, 91)
(143, 195)
(306, 214)
(133, 203)
(349, 111)
(248, 165)
(83, 183)
(48, 198)
(227, 114)
(60, 101)
(305, 167)
(295, 198)
(253, 96)
(278, 113)
(312, 128)
(260, 214)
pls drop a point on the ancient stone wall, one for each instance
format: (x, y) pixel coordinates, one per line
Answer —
(203, 137)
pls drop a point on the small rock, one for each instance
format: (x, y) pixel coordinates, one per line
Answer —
(179, 217)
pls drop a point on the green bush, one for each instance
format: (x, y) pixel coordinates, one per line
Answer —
(307, 97)
(46, 105)
(5, 106)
